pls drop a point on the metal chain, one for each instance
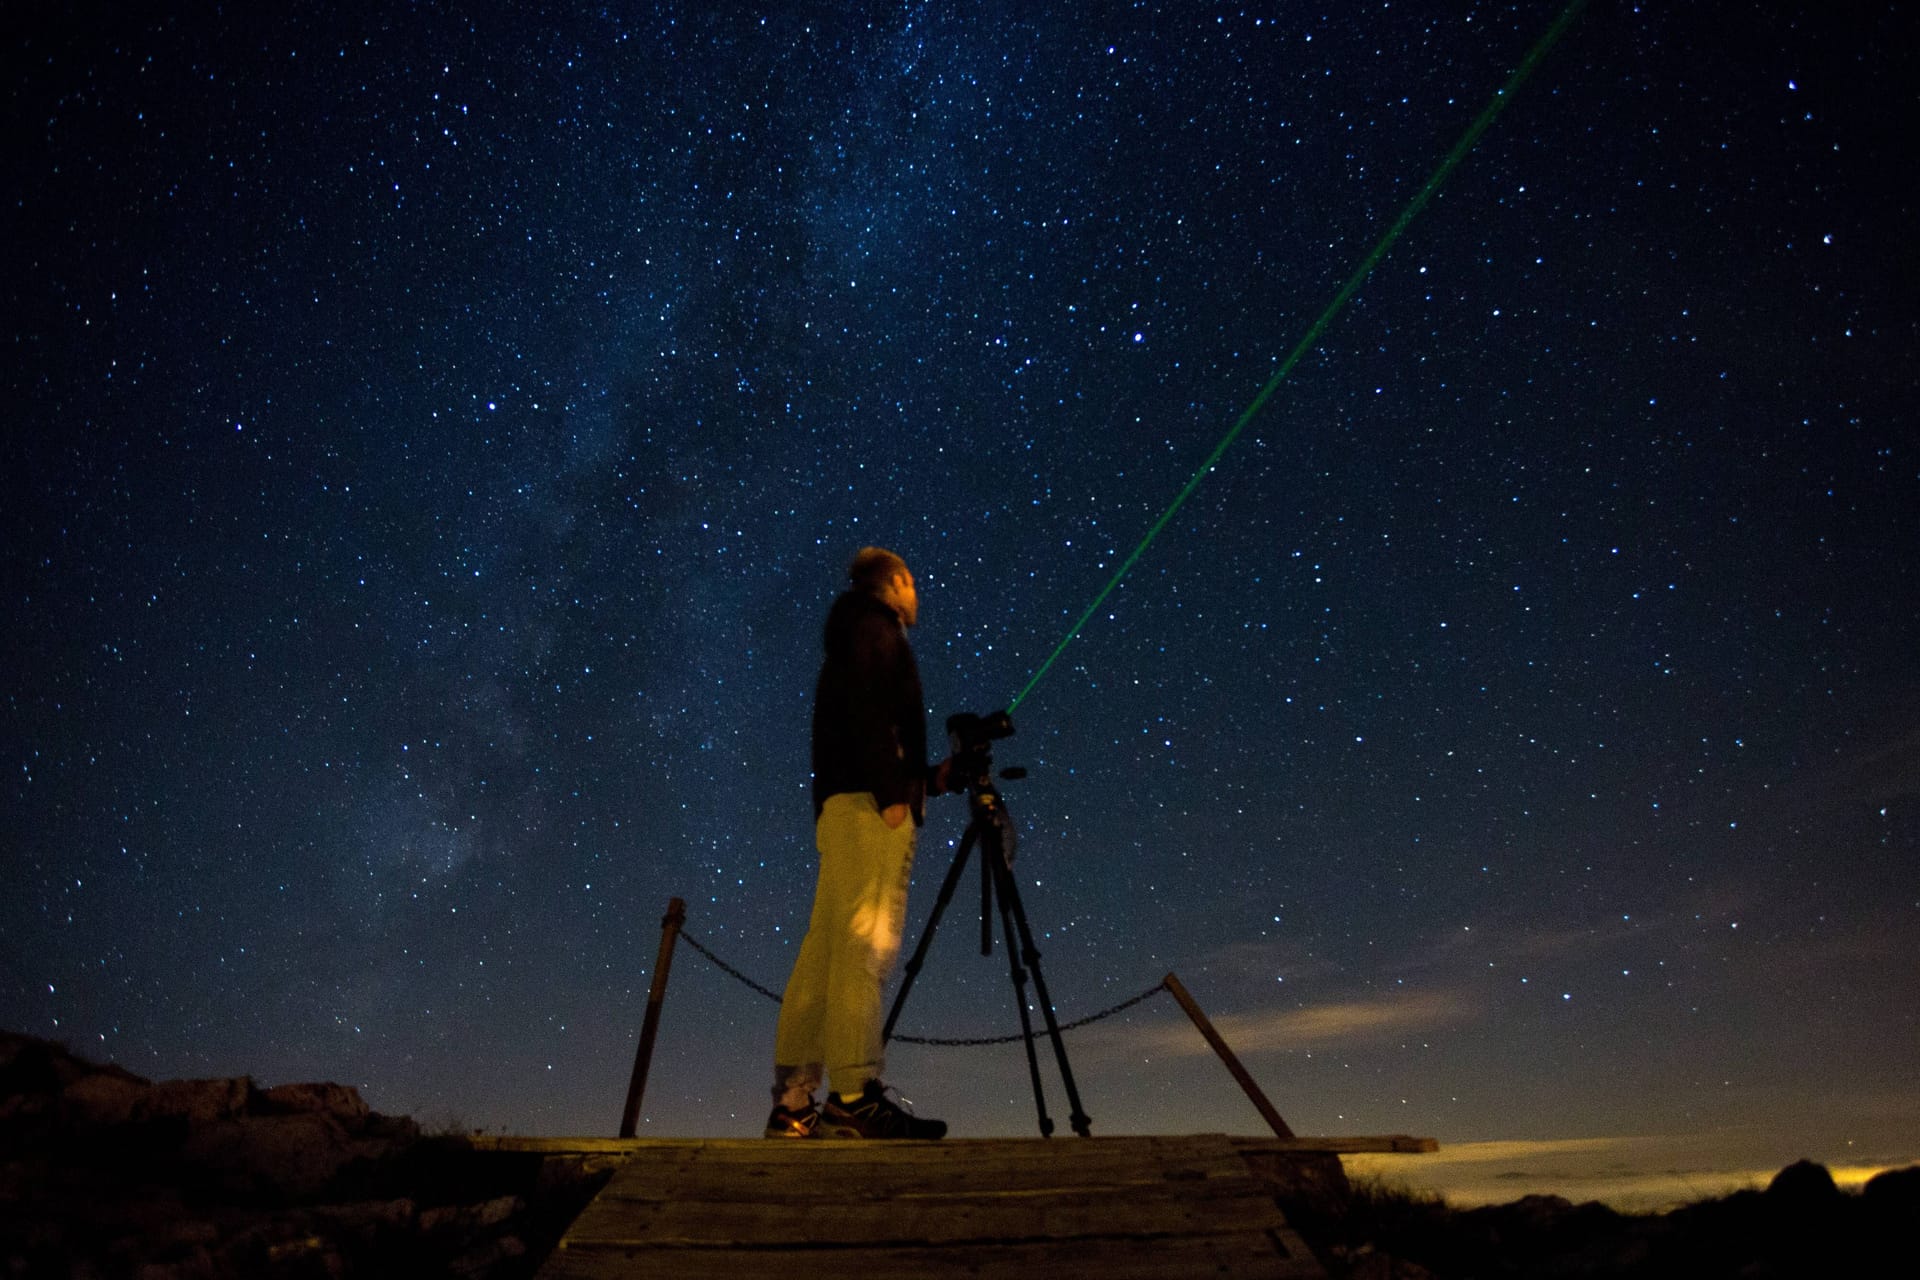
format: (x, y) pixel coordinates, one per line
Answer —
(694, 942)
(962, 1043)
(1128, 1003)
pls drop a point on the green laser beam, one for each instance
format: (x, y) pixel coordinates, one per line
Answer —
(1460, 149)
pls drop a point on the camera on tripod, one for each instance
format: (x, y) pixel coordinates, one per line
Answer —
(990, 828)
(967, 738)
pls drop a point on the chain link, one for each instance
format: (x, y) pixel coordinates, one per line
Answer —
(724, 967)
(1128, 1003)
(944, 1042)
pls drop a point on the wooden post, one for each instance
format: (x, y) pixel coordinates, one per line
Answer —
(643, 1057)
(1188, 1003)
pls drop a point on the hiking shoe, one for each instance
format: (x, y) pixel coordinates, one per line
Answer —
(874, 1115)
(804, 1123)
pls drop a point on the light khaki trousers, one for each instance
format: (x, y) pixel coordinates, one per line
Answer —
(830, 1015)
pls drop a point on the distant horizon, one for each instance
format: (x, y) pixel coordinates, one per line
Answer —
(1473, 1174)
(1638, 1173)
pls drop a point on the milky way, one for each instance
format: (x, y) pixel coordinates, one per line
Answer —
(434, 437)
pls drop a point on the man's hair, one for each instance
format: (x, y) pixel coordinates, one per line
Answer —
(874, 568)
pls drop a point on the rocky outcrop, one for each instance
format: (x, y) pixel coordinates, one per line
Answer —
(105, 1173)
(1801, 1225)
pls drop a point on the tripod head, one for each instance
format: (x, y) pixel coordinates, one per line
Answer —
(968, 736)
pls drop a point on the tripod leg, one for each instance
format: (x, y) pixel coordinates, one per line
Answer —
(1020, 1001)
(926, 936)
(1010, 904)
(986, 903)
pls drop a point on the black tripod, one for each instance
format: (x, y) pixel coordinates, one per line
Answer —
(992, 830)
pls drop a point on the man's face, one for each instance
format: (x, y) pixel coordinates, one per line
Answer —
(900, 596)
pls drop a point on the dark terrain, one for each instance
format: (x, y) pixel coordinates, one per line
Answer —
(105, 1174)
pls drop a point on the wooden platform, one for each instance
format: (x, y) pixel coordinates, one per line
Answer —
(1037, 1209)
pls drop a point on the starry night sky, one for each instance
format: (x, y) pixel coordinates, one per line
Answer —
(435, 433)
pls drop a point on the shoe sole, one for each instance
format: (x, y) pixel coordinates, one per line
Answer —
(848, 1131)
(791, 1131)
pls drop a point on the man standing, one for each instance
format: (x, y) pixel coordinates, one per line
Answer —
(870, 781)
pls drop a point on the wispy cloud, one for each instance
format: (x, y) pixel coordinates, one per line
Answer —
(1879, 776)
(1266, 957)
(1320, 1026)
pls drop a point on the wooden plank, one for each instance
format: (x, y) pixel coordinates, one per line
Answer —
(1393, 1142)
(1112, 1208)
(1228, 1058)
(1075, 1152)
(957, 1217)
(757, 1146)
(1001, 1163)
(822, 1172)
(1250, 1255)
(862, 1170)
(947, 1148)
(697, 1183)
(725, 1146)
(583, 1145)
(1026, 1161)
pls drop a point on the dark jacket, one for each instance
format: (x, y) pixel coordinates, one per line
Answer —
(869, 717)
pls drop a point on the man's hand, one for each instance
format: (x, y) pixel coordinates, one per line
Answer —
(943, 777)
(895, 814)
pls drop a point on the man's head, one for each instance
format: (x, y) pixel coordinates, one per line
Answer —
(885, 576)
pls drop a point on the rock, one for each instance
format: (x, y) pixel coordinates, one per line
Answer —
(104, 1098)
(1524, 1219)
(196, 1101)
(343, 1102)
(499, 1209)
(46, 1093)
(23, 1113)
(1539, 1211)
(103, 1173)
(1894, 1194)
(1896, 1185)
(483, 1259)
(310, 1250)
(196, 1265)
(1537, 1234)
(368, 1228)
(1302, 1179)
(470, 1219)
(290, 1157)
(1385, 1266)
(397, 1131)
(1803, 1183)
(367, 1217)
(11, 1045)
(191, 1231)
(30, 1065)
